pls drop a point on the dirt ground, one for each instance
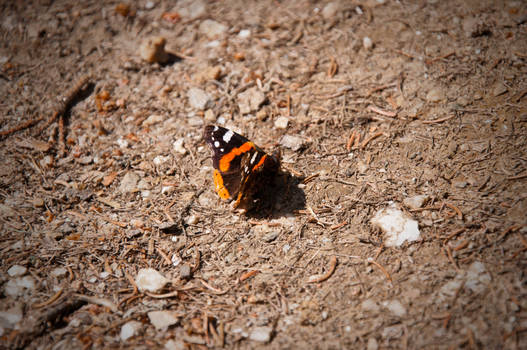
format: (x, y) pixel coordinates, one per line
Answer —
(370, 102)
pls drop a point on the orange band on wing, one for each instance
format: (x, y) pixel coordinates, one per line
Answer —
(260, 163)
(220, 187)
(225, 161)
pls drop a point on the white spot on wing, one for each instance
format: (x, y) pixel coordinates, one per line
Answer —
(222, 150)
(216, 144)
(216, 128)
(228, 135)
(253, 159)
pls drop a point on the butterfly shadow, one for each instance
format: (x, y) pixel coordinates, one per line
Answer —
(280, 198)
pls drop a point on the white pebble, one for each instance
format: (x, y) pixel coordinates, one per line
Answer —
(179, 146)
(16, 271)
(281, 122)
(150, 280)
(367, 43)
(129, 329)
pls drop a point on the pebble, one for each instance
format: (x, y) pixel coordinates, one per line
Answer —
(250, 100)
(179, 147)
(372, 344)
(395, 307)
(122, 143)
(47, 161)
(370, 305)
(397, 226)
(192, 9)
(244, 33)
(212, 29)
(85, 160)
(153, 119)
(16, 271)
(192, 219)
(415, 202)
(198, 98)
(11, 317)
(185, 272)
(499, 89)
(18, 286)
(209, 73)
(478, 279)
(158, 160)
(149, 5)
(152, 50)
(59, 272)
(261, 334)
(129, 182)
(292, 142)
(392, 332)
(163, 319)
(210, 116)
(330, 10)
(435, 95)
(129, 329)
(281, 122)
(38, 202)
(367, 43)
(150, 280)
(175, 344)
(270, 236)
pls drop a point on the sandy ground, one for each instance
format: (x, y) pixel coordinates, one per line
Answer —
(373, 104)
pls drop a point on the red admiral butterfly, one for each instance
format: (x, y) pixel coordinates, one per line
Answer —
(241, 169)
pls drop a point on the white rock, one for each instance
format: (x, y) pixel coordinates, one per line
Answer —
(122, 143)
(281, 122)
(10, 317)
(149, 5)
(372, 344)
(292, 142)
(16, 271)
(250, 100)
(397, 226)
(150, 280)
(395, 307)
(18, 286)
(448, 290)
(175, 344)
(158, 160)
(245, 33)
(179, 145)
(415, 202)
(192, 9)
(261, 334)
(478, 279)
(212, 29)
(192, 219)
(163, 319)
(367, 43)
(129, 182)
(198, 98)
(129, 329)
(167, 189)
(370, 305)
(153, 119)
(330, 10)
(435, 95)
(392, 332)
(104, 274)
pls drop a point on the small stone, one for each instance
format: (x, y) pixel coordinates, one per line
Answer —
(415, 202)
(212, 29)
(192, 219)
(59, 272)
(152, 50)
(150, 280)
(210, 116)
(330, 10)
(179, 146)
(192, 9)
(153, 119)
(244, 33)
(47, 161)
(250, 100)
(435, 95)
(392, 332)
(18, 286)
(129, 329)
(16, 271)
(122, 143)
(372, 344)
(38, 202)
(10, 317)
(362, 167)
(270, 236)
(281, 122)
(395, 307)
(370, 306)
(198, 98)
(261, 334)
(149, 5)
(85, 160)
(460, 182)
(163, 319)
(158, 160)
(292, 142)
(175, 344)
(209, 73)
(262, 114)
(367, 43)
(185, 272)
(499, 89)
(478, 279)
(129, 182)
